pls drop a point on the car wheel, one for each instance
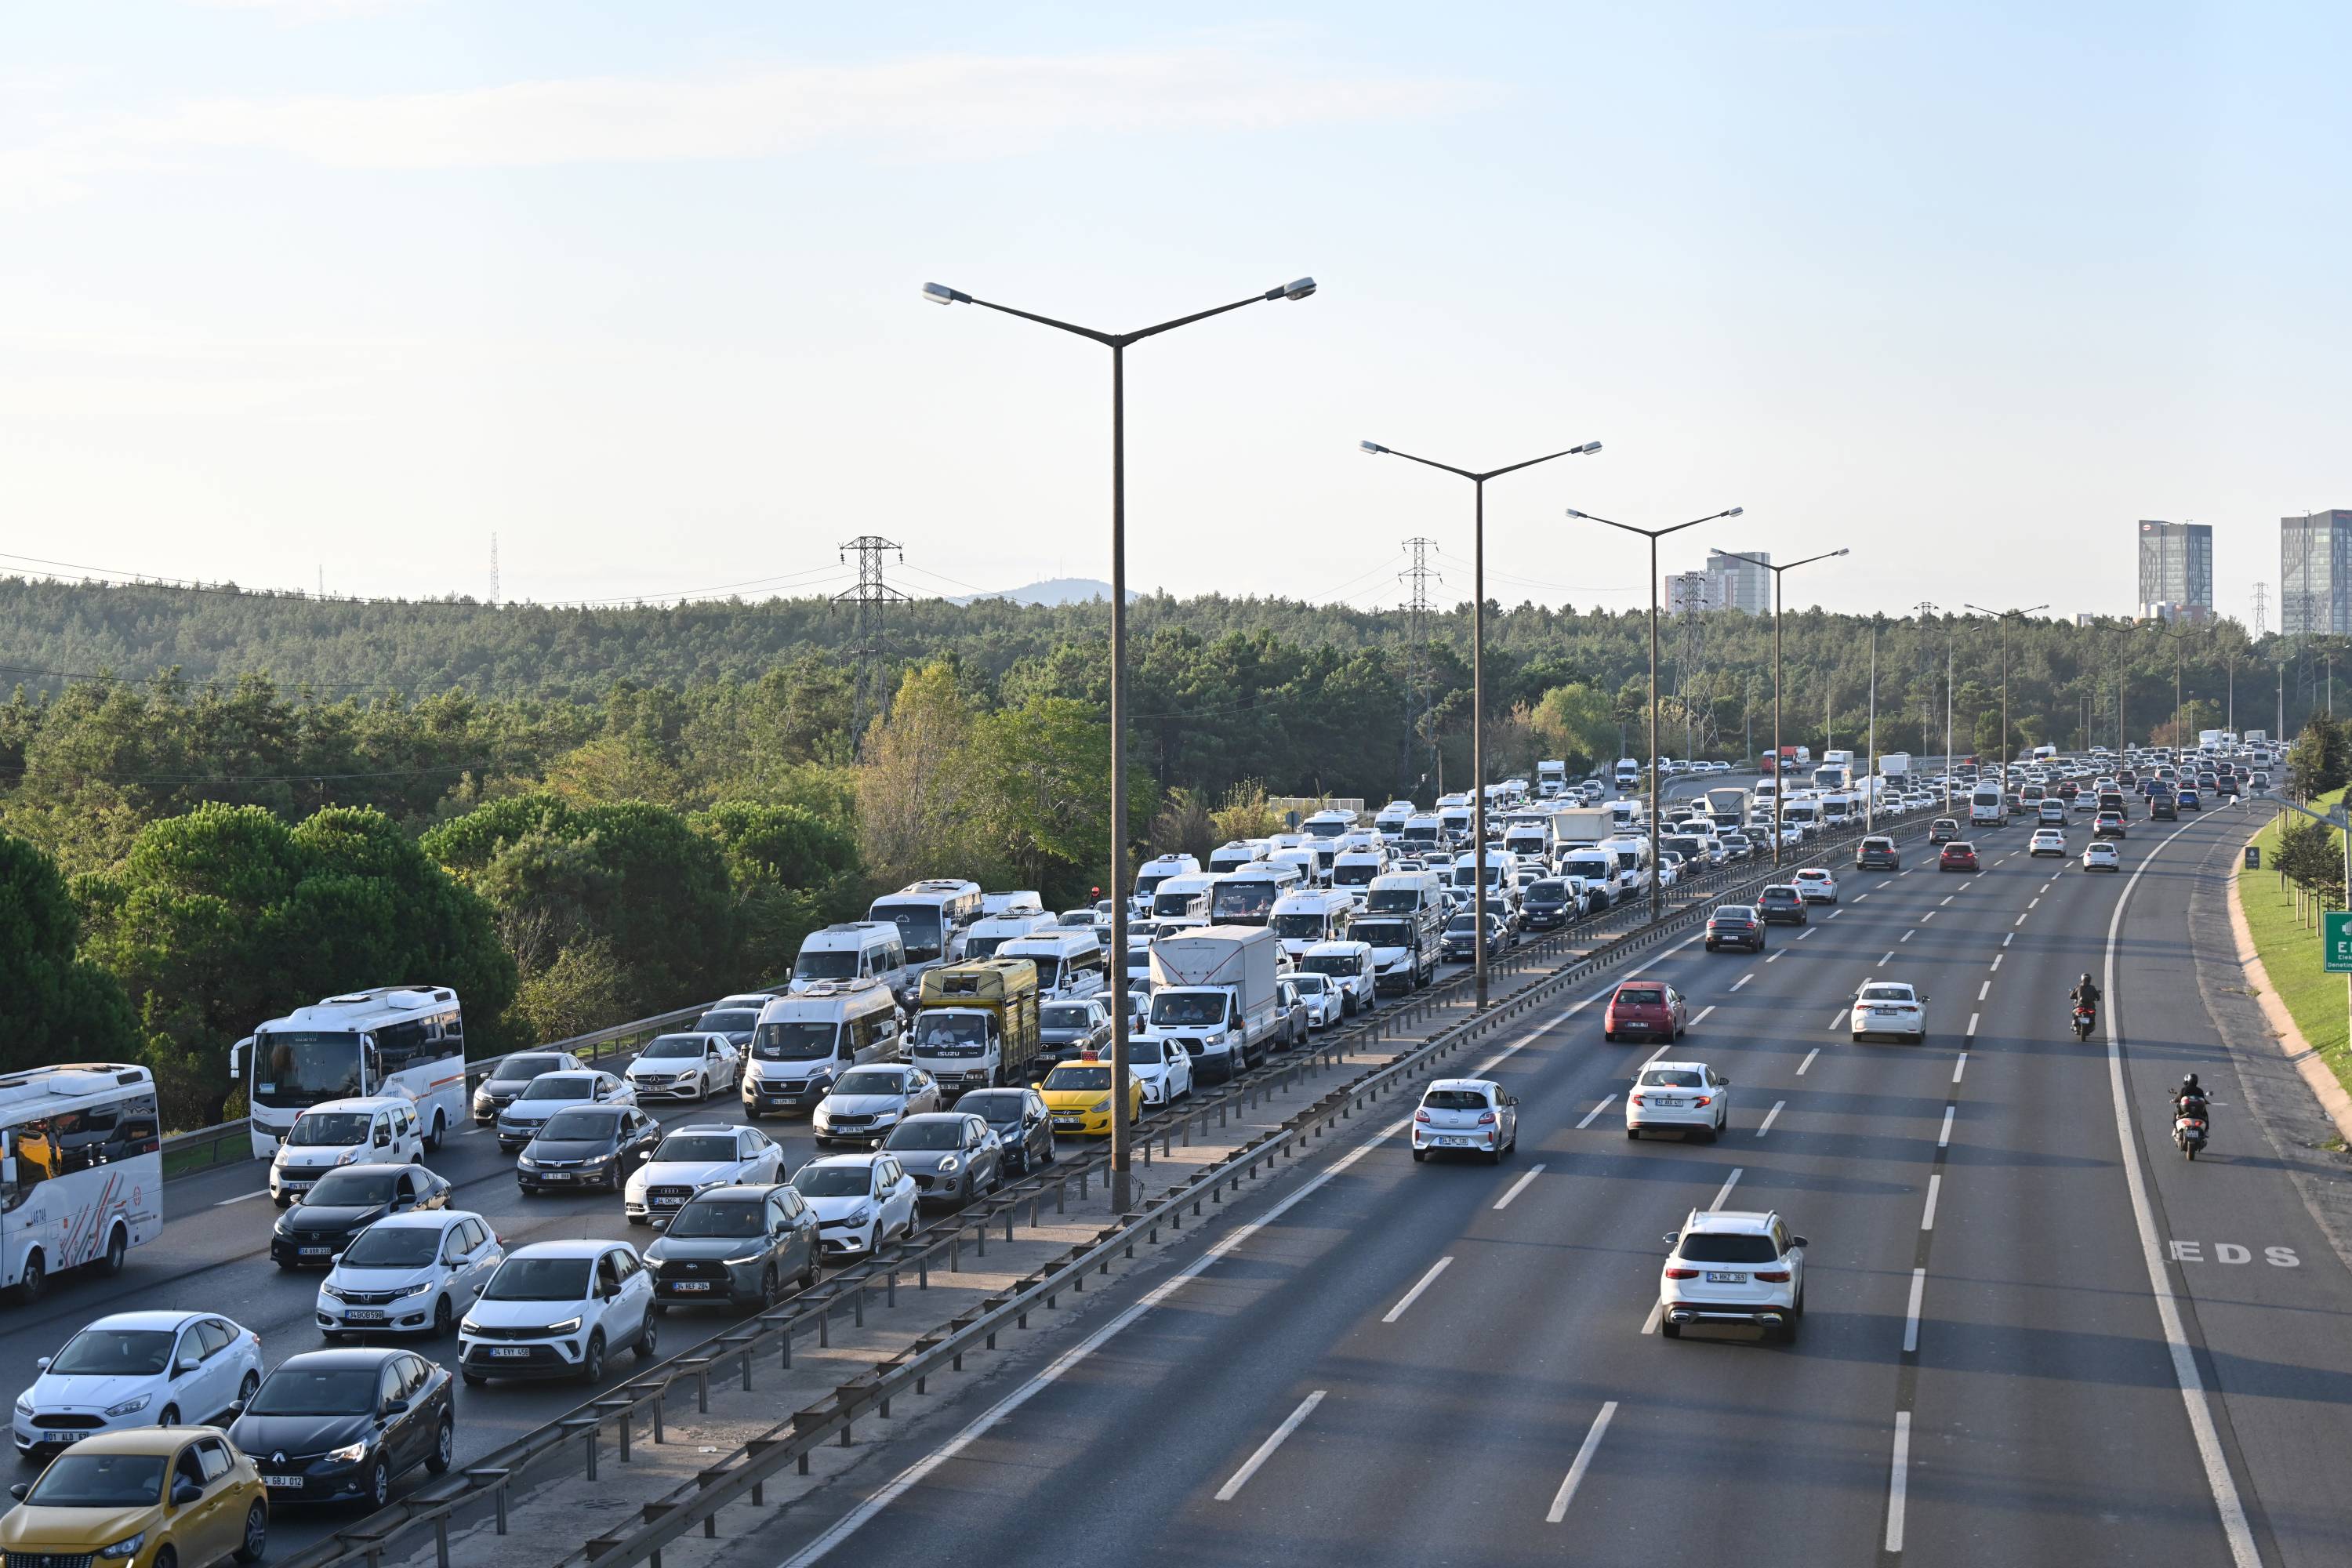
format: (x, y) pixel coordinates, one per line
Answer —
(248, 1388)
(473, 1379)
(167, 1557)
(169, 1418)
(34, 1281)
(116, 1245)
(1633, 1132)
(1608, 1036)
(444, 1448)
(440, 1131)
(1669, 1330)
(1419, 1156)
(769, 1285)
(444, 1318)
(379, 1491)
(592, 1364)
(254, 1542)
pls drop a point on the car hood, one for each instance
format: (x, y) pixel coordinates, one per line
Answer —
(329, 1219)
(524, 1314)
(913, 1160)
(311, 1160)
(534, 1112)
(53, 1391)
(569, 1148)
(1061, 1036)
(830, 1209)
(265, 1436)
(74, 1531)
(673, 1248)
(864, 1104)
(661, 1067)
(375, 1279)
(683, 1173)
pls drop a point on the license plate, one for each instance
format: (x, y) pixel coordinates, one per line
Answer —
(364, 1315)
(1065, 1122)
(555, 1176)
(689, 1285)
(315, 1251)
(1714, 1279)
(518, 1351)
(285, 1186)
(1669, 1104)
(283, 1483)
(63, 1438)
(668, 1203)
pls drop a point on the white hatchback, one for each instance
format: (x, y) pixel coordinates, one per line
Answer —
(2047, 841)
(1469, 1115)
(2100, 855)
(693, 1158)
(861, 1201)
(1815, 886)
(1689, 1096)
(685, 1067)
(137, 1369)
(409, 1273)
(1733, 1266)
(375, 1129)
(1890, 1007)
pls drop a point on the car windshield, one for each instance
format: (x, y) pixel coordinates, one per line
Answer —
(1331, 963)
(1079, 1018)
(1547, 891)
(841, 963)
(522, 1069)
(1887, 994)
(554, 1087)
(97, 1481)
(697, 1147)
(936, 1031)
(1311, 982)
(581, 1126)
(316, 1391)
(393, 1247)
(669, 1045)
(926, 1135)
(1453, 1100)
(720, 1217)
(1078, 1078)
(1641, 996)
(1464, 924)
(1717, 1247)
(329, 1128)
(1145, 1051)
(353, 1187)
(1383, 933)
(1672, 1078)
(833, 1180)
(992, 1105)
(1188, 1009)
(870, 1083)
(540, 1279)
(728, 1021)
(796, 1040)
(115, 1352)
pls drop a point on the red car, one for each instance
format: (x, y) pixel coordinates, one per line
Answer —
(1644, 1009)
(1956, 856)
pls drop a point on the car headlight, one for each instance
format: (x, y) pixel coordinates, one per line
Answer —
(127, 1547)
(859, 1215)
(747, 1258)
(129, 1406)
(467, 1326)
(569, 1326)
(347, 1156)
(25, 1403)
(333, 1292)
(1102, 1105)
(416, 1289)
(350, 1455)
(949, 1167)
(593, 1161)
(886, 1117)
(525, 1163)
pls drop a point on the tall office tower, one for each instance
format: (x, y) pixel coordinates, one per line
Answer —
(1740, 584)
(2176, 570)
(2315, 574)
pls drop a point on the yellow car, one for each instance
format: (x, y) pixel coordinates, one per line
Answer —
(145, 1497)
(1077, 1093)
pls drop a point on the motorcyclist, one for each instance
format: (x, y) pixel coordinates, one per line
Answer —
(2189, 1090)
(2085, 994)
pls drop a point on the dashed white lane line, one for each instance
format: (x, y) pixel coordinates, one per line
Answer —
(1578, 1466)
(1943, 1139)
(1769, 1117)
(1888, 882)
(1520, 1185)
(1946, 898)
(1911, 1316)
(2045, 887)
(241, 1197)
(1265, 1451)
(2034, 901)
(1743, 980)
(1858, 896)
(1808, 1061)
(1959, 1067)
(1904, 937)
(1805, 933)
(1837, 1017)
(1700, 1018)
(1606, 1100)
(1972, 1025)
(2007, 937)
(1776, 958)
(1887, 957)
(1897, 1481)
(1984, 990)
(1906, 873)
(1926, 918)
(1728, 1183)
(1426, 1281)
(1935, 1189)
(2020, 919)
(1835, 914)
(1996, 961)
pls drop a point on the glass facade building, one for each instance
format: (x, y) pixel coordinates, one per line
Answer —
(2315, 574)
(2176, 570)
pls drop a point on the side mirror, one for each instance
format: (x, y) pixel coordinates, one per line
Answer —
(184, 1491)
(19, 1490)
(393, 1407)
(236, 1410)
(1799, 1241)
(187, 1364)
(1672, 1236)
(43, 1363)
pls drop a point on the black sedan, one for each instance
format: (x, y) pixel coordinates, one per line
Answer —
(343, 1424)
(1735, 925)
(345, 1202)
(1024, 1127)
(587, 1146)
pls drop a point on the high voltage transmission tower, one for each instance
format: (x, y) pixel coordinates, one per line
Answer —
(2261, 609)
(1416, 682)
(870, 598)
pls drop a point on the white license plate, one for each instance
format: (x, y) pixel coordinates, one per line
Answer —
(64, 1436)
(1715, 1279)
(555, 1176)
(668, 1203)
(315, 1251)
(1668, 1104)
(364, 1315)
(284, 1483)
(514, 1351)
(689, 1285)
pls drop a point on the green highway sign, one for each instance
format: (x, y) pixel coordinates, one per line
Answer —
(2336, 941)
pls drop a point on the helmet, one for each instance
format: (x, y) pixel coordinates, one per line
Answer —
(2190, 1083)
(2087, 979)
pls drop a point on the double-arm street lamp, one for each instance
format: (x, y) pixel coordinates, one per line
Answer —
(1780, 777)
(1658, 888)
(1121, 1132)
(2000, 758)
(1478, 673)
(2178, 638)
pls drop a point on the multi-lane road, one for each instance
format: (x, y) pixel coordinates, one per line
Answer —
(2033, 1333)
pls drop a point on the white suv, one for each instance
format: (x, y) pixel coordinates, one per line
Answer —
(1816, 886)
(691, 1158)
(556, 1309)
(1733, 1266)
(1468, 1115)
(1690, 1096)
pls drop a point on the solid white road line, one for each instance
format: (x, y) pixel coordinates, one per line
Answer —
(1265, 1451)
(1769, 1117)
(1743, 980)
(1944, 1139)
(1518, 1186)
(1436, 1269)
(241, 1197)
(1911, 1315)
(2224, 1485)
(1959, 1067)
(1577, 1467)
(1935, 1189)
(1606, 1100)
(1897, 1481)
(1725, 1191)
(914, 1475)
(1808, 1061)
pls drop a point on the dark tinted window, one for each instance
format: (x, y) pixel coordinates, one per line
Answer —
(1712, 1247)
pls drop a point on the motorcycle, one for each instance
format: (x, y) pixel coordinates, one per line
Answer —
(2085, 1016)
(2188, 1127)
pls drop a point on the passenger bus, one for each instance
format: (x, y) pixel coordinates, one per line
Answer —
(408, 1040)
(928, 914)
(81, 1170)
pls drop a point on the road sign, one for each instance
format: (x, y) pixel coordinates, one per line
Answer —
(2336, 941)
(2253, 857)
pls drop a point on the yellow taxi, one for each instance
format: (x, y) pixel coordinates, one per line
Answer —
(142, 1496)
(1077, 1093)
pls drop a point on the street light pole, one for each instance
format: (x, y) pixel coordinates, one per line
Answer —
(1870, 746)
(1657, 889)
(1116, 884)
(1478, 676)
(1779, 773)
(2005, 616)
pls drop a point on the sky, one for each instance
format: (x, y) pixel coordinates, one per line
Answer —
(304, 292)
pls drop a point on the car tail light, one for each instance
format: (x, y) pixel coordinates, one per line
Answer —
(1682, 1273)
(1486, 1117)
(1704, 1099)
(1773, 1276)
(1421, 1116)
(1635, 1100)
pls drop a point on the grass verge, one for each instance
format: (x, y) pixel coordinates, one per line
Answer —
(2290, 953)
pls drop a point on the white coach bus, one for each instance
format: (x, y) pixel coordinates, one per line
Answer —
(408, 1040)
(81, 1170)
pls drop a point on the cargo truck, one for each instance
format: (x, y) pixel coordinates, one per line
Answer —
(1727, 807)
(976, 1026)
(1213, 994)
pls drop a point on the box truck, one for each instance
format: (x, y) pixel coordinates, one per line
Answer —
(976, 1026)
(1213, 993)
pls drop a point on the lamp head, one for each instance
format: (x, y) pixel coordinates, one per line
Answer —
(1590, 446)
(1298, 289)
(1373, 446)
(1846, 552)
(1735, 512)
(1573, 512)
(941, 294)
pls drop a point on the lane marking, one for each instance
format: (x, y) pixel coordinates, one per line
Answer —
(1959, 1067)
(1769, 1117)
(241, 1197)
(1265, 1451)
(2034, 901)
(1654, 1056)
(1911, 1316)
(1436, 1269)
(1887, 882)
(1837, 1017)
(1808, 1061)
(1803, 935)
(1725, 1191)
(1948, 899)
(1606, 1100)
(1518, 1186)
(1776, 958)
(1972, 1025)
(914, 1475)
(2008, 939)
(1743, 980)
(1887, 957)
(1650, 1323)
(1904, 938)
(1995, 964)
(1858, 896)
(1943, 1139)
(1700, 1016)
(1835, 914)
(2020, 919)
(1984, 990)
(2045, 887)
(1935, 1190)
(1578, 1466)
(1926, 918)
(1897, 1481)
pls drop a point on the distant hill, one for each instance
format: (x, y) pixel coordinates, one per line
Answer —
(1058, 590)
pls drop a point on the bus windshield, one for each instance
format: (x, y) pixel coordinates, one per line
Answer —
(839, 964)
(293, 1069)
(918, 929)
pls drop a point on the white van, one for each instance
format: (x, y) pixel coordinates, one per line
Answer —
(855, 950)
(1631, 854)
(1626, 815)
(1330, 823)
(1313, 869)
(1070, 965)
(1391, 820)
(370, 1130)
(1355, 868)
(1348, 966)
(1156, 870)
(1307, 916)
(1024, 901)
(1421, 833)
(804, 1042)
(1184, 900)
(992, 931)
(1237, 853)
(1247, 897)
(1988, 807)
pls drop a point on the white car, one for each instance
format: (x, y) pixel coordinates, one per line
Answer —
(1815, 886)
(685, 1067)
(549, 1092)
(2047, 841)
(1689, 1096)
(138, 1369)
(865, 1102)
(1471, 1114)
(376, 1130)
(1325, 1002)
(1733, 1266)
(556, 1309)
(861, 1201)
(2100, 855)
(1349, 965)
(1164, 1069)
(692, 1158)
(414, 1273)
(1890, 1007)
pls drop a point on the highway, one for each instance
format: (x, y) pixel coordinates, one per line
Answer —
(1401, 1364)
